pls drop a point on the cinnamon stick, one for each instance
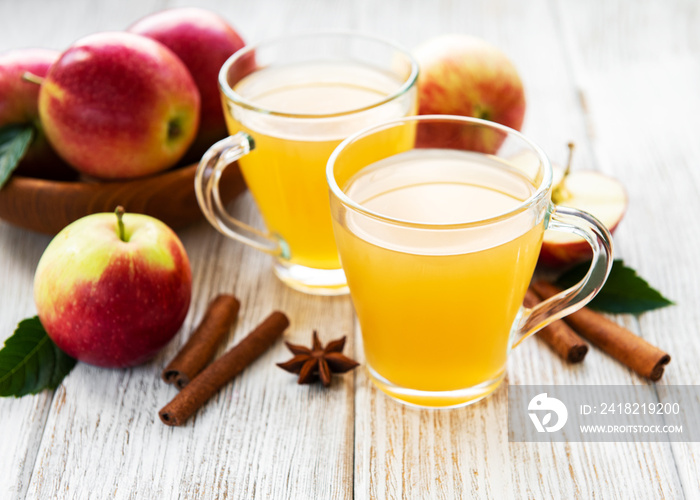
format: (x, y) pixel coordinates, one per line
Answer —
(558, 335)
(632, 351)
(223, 370)
(202, 344)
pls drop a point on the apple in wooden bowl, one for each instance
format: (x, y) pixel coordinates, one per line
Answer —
(203, 40)
(122, 109)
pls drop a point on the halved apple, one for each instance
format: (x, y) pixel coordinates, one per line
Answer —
(602, 196)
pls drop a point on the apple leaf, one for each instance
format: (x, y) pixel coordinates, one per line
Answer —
(624, 291)
(14, 143)
(31, 362)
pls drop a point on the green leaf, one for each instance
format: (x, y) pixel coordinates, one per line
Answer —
(14, 143)
(30, 362)
(624, 291)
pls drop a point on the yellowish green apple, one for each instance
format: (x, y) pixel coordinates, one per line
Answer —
(112, 290)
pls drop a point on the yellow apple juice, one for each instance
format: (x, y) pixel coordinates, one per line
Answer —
(436, 306)
(312, 108)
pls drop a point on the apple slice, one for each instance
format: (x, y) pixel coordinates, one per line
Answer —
(602, 196)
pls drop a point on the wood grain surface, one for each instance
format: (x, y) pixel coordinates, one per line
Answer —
(620, 78)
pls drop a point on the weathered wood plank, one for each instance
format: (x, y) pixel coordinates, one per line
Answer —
(21, 420)
(648, 59)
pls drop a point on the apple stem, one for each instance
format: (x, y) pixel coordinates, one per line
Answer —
(31, 77)
(568, 163)
(559, 192)
(119, 212)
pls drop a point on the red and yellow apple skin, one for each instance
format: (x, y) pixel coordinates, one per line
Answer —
(19, 105)
(602, 196)
(109, 302)
(467, 76)
(119, 105)
(203, 40)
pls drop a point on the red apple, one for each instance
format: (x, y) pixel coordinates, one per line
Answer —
(203, 40)
(113, 294)
(119, 105)
(19, 106)
(465, 75)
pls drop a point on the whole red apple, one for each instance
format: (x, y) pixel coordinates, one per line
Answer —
(19, 106)
(119, 105)
(113, 293)
(467, 76)
(203, 40)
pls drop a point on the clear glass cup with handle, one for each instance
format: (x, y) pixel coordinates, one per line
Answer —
(288, 103)
(439, 231)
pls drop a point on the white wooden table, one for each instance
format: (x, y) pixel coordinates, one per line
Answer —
(620, 78)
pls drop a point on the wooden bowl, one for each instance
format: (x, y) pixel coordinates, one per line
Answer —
(47, 206)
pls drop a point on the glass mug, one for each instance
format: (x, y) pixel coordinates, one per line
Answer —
(288, 103)
(439, 231)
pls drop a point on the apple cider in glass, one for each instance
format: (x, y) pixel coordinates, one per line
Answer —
(286, 170)
(288, 103)
(439, 239)
(437, 308)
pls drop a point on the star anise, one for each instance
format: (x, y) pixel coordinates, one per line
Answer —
(318, 362)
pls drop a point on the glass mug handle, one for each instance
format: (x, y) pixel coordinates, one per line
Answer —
(206, 187)
(574, 221)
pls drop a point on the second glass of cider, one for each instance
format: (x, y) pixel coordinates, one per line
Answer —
(288, 103)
